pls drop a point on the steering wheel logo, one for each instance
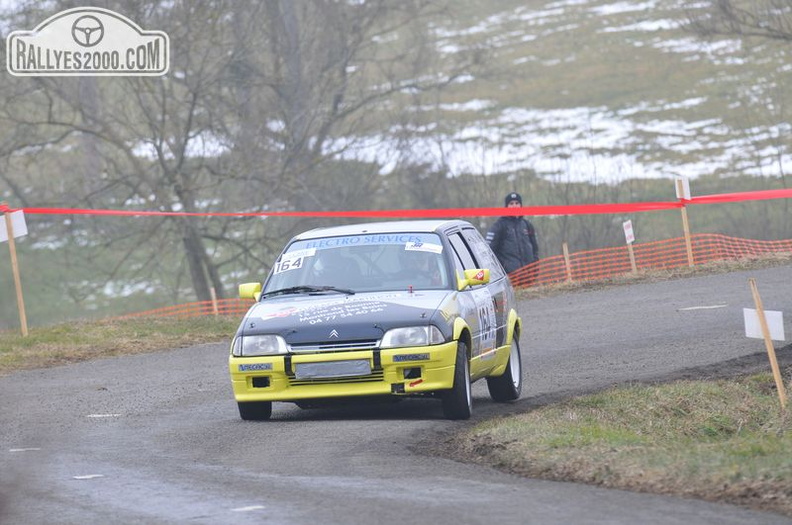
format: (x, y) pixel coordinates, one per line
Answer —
(87, 31)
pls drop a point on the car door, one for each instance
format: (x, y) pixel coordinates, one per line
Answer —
(499, 287)
(477, 307)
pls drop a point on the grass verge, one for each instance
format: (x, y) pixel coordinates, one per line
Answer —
(722, 440)
(80, 341)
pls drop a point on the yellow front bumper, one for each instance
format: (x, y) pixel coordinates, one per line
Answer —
(400, 371)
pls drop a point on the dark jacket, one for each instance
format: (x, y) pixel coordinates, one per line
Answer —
(513, 239)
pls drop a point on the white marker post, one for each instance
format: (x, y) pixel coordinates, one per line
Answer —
(683, 192)
(10, 219)
(629, 236)
(768, 338)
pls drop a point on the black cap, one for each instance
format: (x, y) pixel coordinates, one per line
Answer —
(512, 197)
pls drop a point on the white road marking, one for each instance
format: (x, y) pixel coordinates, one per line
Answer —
(712, 307)
(103, 415)
(249, 508)
(23, 449)
(89, 476)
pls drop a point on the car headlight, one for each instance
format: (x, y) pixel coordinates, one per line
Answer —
(252, 345)
(412, 336)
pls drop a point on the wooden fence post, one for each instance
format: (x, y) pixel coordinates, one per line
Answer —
(215, 310)
(15, 270)
(567, 262)
(685, 223)
(632, 258)
(768, 343)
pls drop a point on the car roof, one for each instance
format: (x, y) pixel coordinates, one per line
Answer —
(423, 226)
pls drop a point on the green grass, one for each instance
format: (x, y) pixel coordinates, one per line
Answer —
(80, 341)
(724, 440)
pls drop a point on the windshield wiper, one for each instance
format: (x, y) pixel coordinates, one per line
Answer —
(307, 289)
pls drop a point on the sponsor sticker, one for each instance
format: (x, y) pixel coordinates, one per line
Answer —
(423, 247)
(307, 252)
(293, 260)
(286, 312)
(373, 239)
(487, 321)
(337, 311)
(410, 357)
(255, 367)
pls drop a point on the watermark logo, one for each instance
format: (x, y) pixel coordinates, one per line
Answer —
(87, 41)
(88, 31)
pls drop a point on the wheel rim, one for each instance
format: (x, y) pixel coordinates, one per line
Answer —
(514, 364)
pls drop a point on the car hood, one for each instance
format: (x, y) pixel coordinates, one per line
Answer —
(306, 319)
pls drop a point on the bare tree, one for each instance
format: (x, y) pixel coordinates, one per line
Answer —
(263, 108)
(335, 74)
(148, 141)
(758, 18)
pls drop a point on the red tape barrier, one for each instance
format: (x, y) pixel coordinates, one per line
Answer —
(574, 209)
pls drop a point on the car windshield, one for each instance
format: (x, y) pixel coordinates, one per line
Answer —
(362, 263)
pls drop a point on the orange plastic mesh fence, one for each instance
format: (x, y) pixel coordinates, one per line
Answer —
(666, 254)
(235, 307)
(583, 266)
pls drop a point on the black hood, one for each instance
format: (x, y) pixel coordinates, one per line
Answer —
(309, 319)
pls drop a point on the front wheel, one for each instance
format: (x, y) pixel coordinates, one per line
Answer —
(507, 387)
(255, 410)
(458, 402)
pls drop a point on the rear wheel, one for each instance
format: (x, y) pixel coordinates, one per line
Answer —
(255, 410)
(458, 402)
(508, 386)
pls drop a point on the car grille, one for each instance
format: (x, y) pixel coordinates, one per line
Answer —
(340, 346)
(376, 375)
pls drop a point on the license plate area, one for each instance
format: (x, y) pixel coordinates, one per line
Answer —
(332, 369)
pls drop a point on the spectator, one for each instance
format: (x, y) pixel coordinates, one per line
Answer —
(513, 238)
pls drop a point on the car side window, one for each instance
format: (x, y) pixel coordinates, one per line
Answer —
(462, 251)
(483, 253)
(459, 268)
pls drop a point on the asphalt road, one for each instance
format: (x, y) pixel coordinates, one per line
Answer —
(157, 439)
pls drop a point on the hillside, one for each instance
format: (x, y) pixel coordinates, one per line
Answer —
(598, 91)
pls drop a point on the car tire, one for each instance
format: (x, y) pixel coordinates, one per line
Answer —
(508, 386)
(458, 401)
(255, 410)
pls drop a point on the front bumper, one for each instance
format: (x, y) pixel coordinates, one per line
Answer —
(399, 371)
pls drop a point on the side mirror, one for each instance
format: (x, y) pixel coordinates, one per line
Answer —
(250, 291)
(473, 277)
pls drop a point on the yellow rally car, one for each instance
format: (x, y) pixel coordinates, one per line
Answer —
(404, 308)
